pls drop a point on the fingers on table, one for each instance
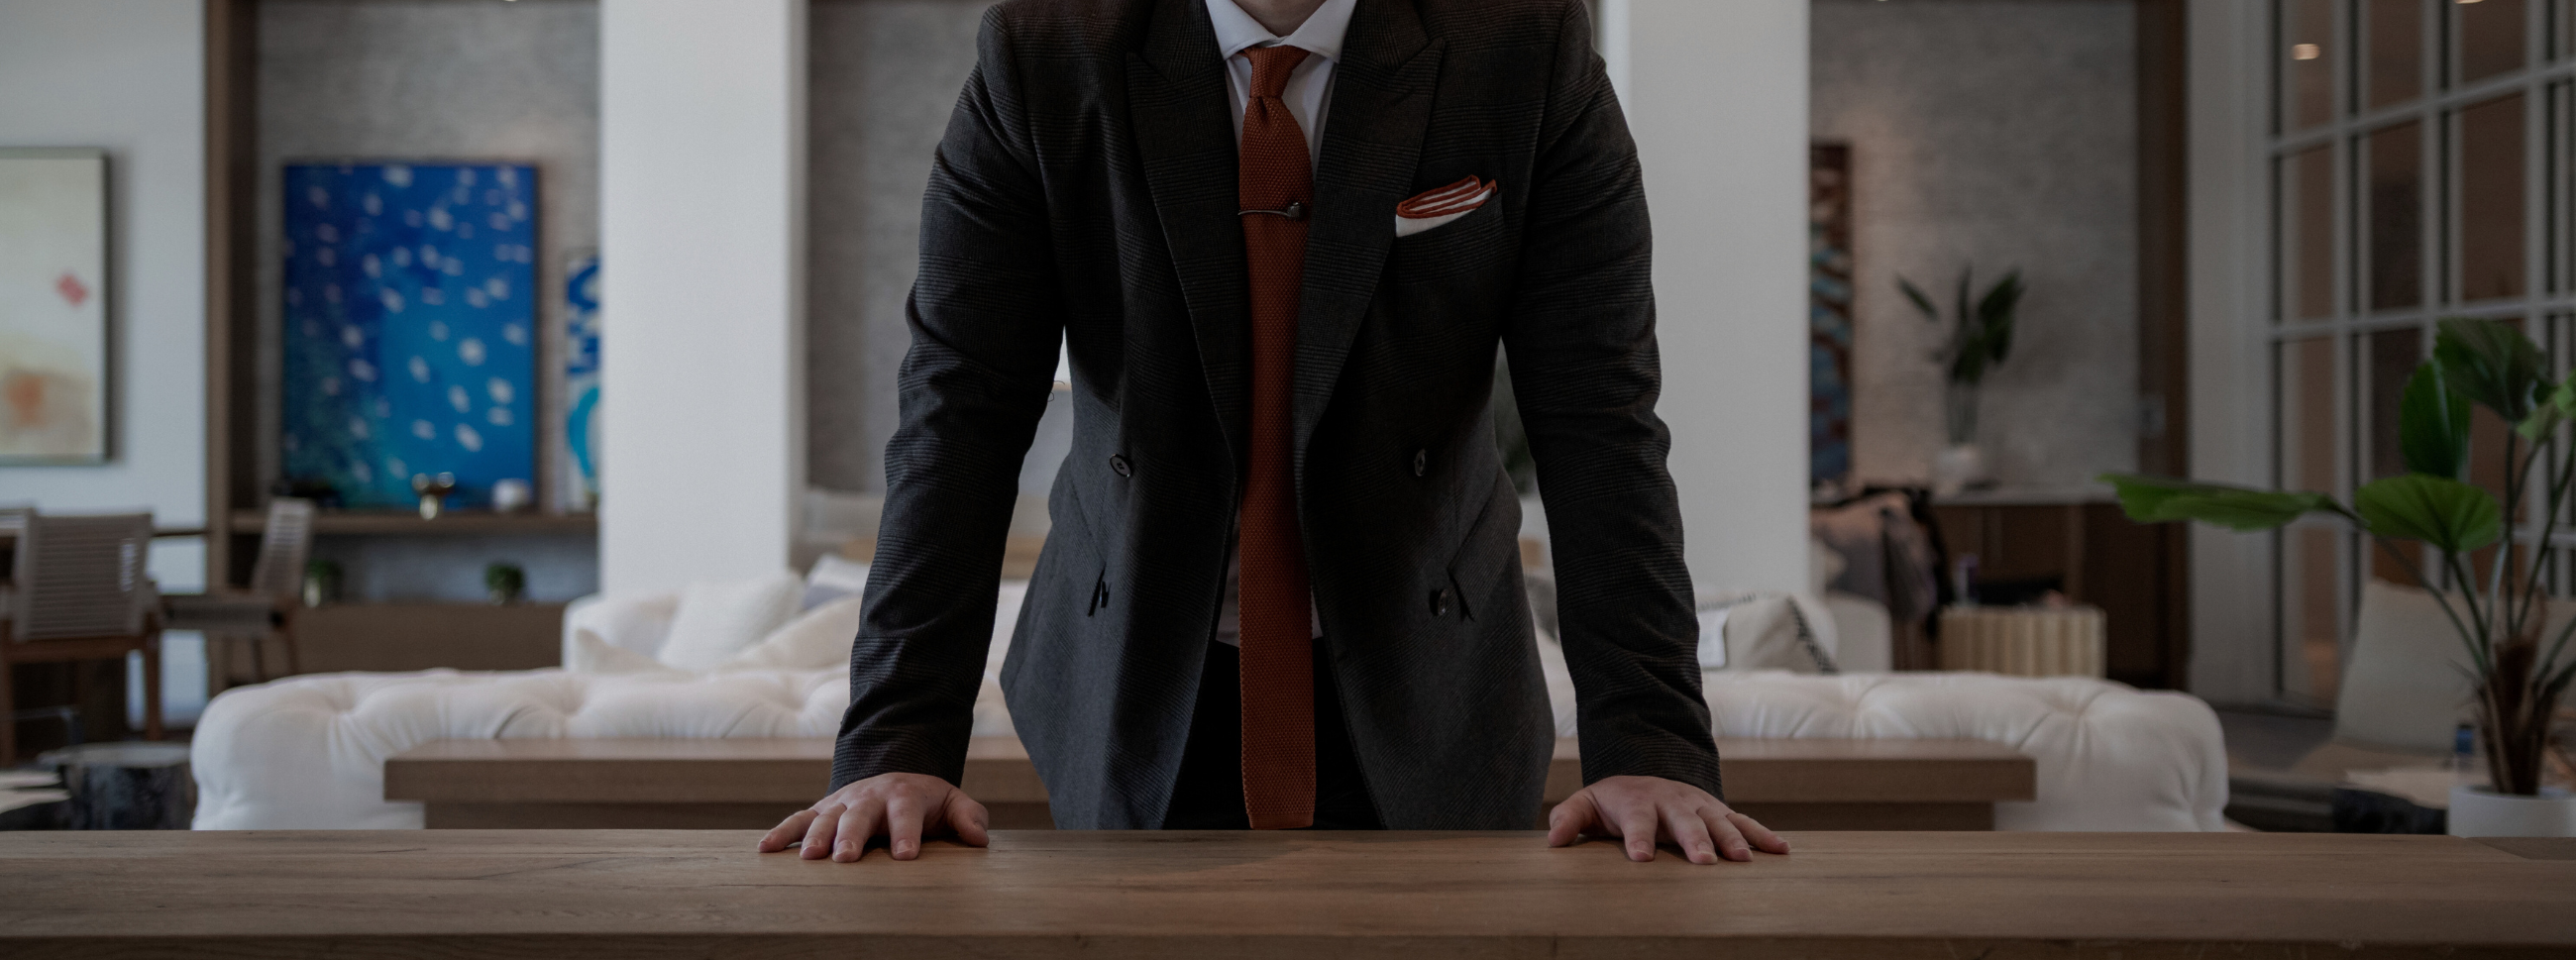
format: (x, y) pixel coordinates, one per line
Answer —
(1721, 825)
(1566, 822)
(819, 831)
(903, 825)
(1638, 828)
(859, 821)
(1762, 837)
(1693, 833)
(968, 819)
(786, 831)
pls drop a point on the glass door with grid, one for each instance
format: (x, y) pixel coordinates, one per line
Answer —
(2419, 165)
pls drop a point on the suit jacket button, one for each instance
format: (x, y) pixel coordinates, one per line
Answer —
(1440, 603)
(1421, 462)
(1118, 465)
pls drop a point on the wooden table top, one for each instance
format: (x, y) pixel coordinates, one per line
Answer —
(1037, 894)
(573, 770)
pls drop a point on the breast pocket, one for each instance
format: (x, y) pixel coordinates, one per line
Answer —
(1476, 243)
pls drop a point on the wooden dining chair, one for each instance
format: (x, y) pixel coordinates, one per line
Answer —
(268, 606)
(80, 592)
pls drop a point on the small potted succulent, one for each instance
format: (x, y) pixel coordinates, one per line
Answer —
(2520, 670)
(505, 582)
(322, 580)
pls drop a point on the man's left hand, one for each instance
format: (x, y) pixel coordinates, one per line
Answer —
(1650, 810)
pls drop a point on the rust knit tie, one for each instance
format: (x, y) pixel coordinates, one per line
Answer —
(1277, 193)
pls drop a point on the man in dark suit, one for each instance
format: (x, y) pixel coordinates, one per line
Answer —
(1283, 586)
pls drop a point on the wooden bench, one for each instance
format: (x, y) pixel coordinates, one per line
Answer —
(1041, 894)
(742, 784)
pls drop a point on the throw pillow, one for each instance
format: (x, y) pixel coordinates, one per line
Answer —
(833, 577)
(817, 639)
(2405, 680)
(589, 654)
(1764, 630)
(718, 618)
(1712, 638)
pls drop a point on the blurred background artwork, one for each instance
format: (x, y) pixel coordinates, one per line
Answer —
(1829, 314)
(410, 316)
(53, 306)
(581, 382)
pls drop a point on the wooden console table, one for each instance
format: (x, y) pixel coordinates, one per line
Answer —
(748, 784)
(1290, 894)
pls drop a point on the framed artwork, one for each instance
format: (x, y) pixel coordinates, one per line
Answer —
(410, 328)
(580, 468)
(53, 306)
(1829, 314)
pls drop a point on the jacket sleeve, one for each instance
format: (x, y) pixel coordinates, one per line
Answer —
(1581, 344)
(985, 315)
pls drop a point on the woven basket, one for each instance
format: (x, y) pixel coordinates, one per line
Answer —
(2023, 641)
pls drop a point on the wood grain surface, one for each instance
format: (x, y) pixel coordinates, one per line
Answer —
(1290, 894)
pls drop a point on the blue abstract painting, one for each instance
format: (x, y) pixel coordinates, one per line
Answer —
(410, 328)
(581, 382)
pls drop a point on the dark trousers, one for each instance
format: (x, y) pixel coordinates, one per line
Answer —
(1209, 793)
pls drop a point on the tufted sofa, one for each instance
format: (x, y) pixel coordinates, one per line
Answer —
(308, 752)
(2110, 757)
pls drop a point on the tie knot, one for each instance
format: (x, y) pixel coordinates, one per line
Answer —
(1271, 66)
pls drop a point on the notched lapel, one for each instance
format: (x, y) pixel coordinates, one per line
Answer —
(1382, 93)
(1176, 102)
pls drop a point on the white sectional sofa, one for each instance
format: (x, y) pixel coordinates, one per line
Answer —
(308, 752)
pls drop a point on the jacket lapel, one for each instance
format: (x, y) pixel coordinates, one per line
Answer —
(1176, 100)
(1382, 93)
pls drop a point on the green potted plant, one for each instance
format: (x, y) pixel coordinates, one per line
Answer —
(2519, 670)
(1980, 338)
(321, 582)
(505, 582)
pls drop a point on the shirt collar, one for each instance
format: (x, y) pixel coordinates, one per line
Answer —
(1321, 34)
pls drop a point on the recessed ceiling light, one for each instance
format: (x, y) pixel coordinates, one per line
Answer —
(2306, 51)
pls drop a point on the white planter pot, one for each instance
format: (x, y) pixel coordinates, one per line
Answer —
(2481, 812)
(1959, 466)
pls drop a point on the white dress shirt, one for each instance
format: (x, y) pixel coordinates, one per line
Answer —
(1309, 92)
(1310, 86)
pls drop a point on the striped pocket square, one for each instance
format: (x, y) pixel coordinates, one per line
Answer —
(1434, 208)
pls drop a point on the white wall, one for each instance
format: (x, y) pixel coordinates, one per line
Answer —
(1716, 95)
(2231, 573)
(129, 76)
(885, 80)
(702, 162)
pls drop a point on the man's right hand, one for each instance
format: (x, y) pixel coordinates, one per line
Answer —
(902, 807)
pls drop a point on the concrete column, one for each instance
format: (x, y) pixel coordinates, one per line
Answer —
(2233, 630)
(702, 249)
(1716, 95)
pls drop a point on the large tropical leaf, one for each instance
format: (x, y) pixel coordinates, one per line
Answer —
(2446, 513)
(2165, 499)
(2492, 363)
(2433, 424)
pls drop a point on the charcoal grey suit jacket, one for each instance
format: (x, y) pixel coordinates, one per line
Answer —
(1087, 185)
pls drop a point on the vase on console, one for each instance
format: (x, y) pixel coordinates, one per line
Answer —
(1961, 465)
(1980, 338)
